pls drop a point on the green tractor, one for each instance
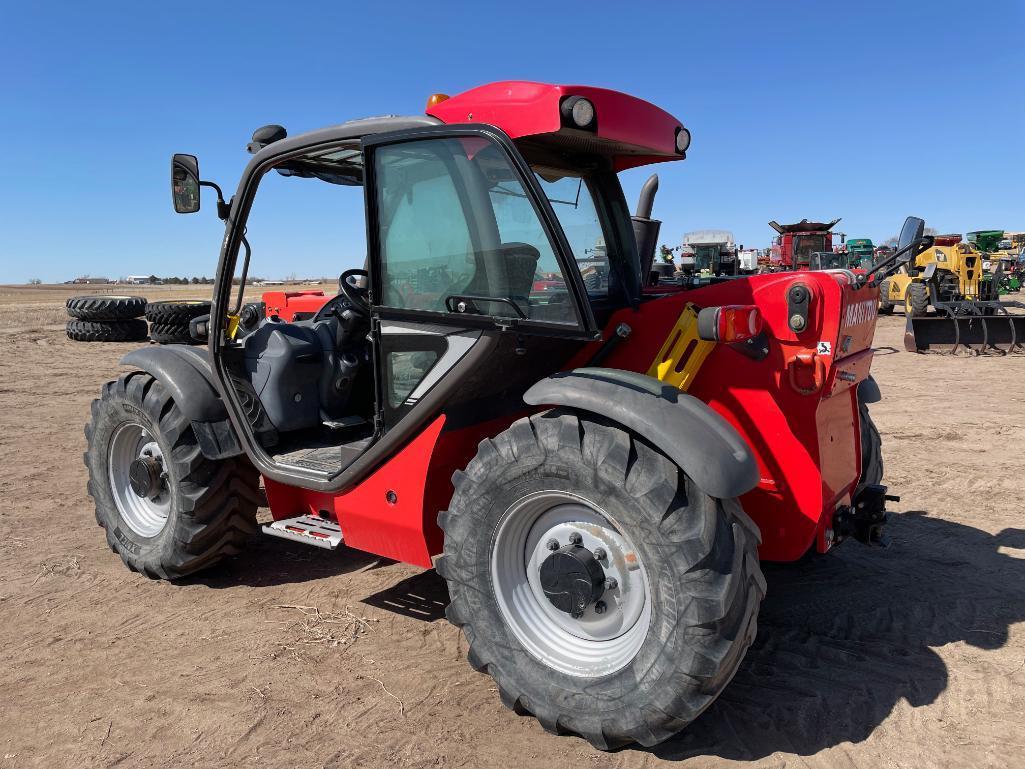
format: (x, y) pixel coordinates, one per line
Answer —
(861, 253)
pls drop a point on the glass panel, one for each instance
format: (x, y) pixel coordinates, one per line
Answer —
(405, 371)
(571, 200)
(806, 245)
(455, 221)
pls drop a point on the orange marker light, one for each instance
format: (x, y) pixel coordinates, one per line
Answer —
(436, 98)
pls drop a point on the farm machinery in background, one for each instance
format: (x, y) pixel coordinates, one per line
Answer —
(949, 303)
(709, 253)
(1003, 257)
(794, 244)
(860, 254)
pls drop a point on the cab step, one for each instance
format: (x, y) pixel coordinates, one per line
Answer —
(308, 529)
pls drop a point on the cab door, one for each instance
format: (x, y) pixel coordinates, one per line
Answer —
(464, 250)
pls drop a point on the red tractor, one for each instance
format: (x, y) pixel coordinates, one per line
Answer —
(593, 464)
(794, 245)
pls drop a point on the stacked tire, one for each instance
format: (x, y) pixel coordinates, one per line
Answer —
(169, 321)
(106, 318)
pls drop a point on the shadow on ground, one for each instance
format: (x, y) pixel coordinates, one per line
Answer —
(842, 638)
(268, 561)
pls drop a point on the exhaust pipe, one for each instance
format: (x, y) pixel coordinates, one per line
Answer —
(646, 230)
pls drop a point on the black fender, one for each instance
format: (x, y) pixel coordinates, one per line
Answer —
(700, 441)
(185, 372)
(868, 391)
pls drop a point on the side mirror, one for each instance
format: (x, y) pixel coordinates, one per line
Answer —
(913, 229)
(185, 183)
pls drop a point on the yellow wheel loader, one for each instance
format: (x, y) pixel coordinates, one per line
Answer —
(948, 278)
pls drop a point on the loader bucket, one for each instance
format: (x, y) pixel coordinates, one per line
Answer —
(971, 327)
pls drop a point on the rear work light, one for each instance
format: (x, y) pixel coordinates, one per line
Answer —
(682, 140)
(578, 112)
(731, 323)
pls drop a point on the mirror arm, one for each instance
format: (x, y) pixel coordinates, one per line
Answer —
(223, 209)
(890, 264)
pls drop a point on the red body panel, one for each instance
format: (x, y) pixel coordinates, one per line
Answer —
(806, 443)
(797, 409)
(522, 108)
(385, 513)
(289, 304)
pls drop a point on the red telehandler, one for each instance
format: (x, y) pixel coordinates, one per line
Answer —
(593, 464)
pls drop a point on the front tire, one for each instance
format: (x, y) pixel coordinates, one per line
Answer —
(918, 300)
(691, 558)
(168, 511)
(885, 305)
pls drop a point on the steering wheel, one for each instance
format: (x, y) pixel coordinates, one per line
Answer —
(355, 295)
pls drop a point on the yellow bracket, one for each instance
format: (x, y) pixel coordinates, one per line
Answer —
(683, 352)
(232, 326)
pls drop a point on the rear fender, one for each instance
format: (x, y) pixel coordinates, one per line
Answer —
(185, 372)
(701, 442)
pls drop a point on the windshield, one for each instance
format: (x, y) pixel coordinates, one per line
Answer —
(829, 261)
(806, 245)
(705, 258)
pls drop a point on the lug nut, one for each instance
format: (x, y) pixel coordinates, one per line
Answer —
(575, 538)
(599, 607)
(599, 553)
(552, 544)
(611, 583)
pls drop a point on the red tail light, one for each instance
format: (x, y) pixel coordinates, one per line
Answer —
(731, 323)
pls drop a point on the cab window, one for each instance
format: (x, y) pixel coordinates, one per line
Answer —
(572, 202)
(457, 232)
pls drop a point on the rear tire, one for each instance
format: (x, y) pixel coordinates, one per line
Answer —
(105, 307)
(106, 330)
(871, 450)
(177, 313)
(200, 510)
(698, 557)
(885, 305)
(918, 299)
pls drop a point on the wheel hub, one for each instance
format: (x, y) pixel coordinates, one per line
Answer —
(572, 579)
(138, 479)
(570, 584)
(144, 477)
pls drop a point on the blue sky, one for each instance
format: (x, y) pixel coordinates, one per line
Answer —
(867, 111)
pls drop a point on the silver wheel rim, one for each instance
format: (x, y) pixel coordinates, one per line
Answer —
(146, 516)
(594, 644)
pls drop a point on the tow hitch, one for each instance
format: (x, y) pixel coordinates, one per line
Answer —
(865, 518)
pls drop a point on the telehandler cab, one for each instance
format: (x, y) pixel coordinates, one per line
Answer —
(594, 467)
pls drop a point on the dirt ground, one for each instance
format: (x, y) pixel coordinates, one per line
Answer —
(911, 656)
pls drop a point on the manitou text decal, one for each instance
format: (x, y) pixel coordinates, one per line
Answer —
(860, 312)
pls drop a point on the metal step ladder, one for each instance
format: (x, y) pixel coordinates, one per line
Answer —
(308, 529)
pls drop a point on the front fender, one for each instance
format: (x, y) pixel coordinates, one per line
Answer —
(185, 372)
(700, 441)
